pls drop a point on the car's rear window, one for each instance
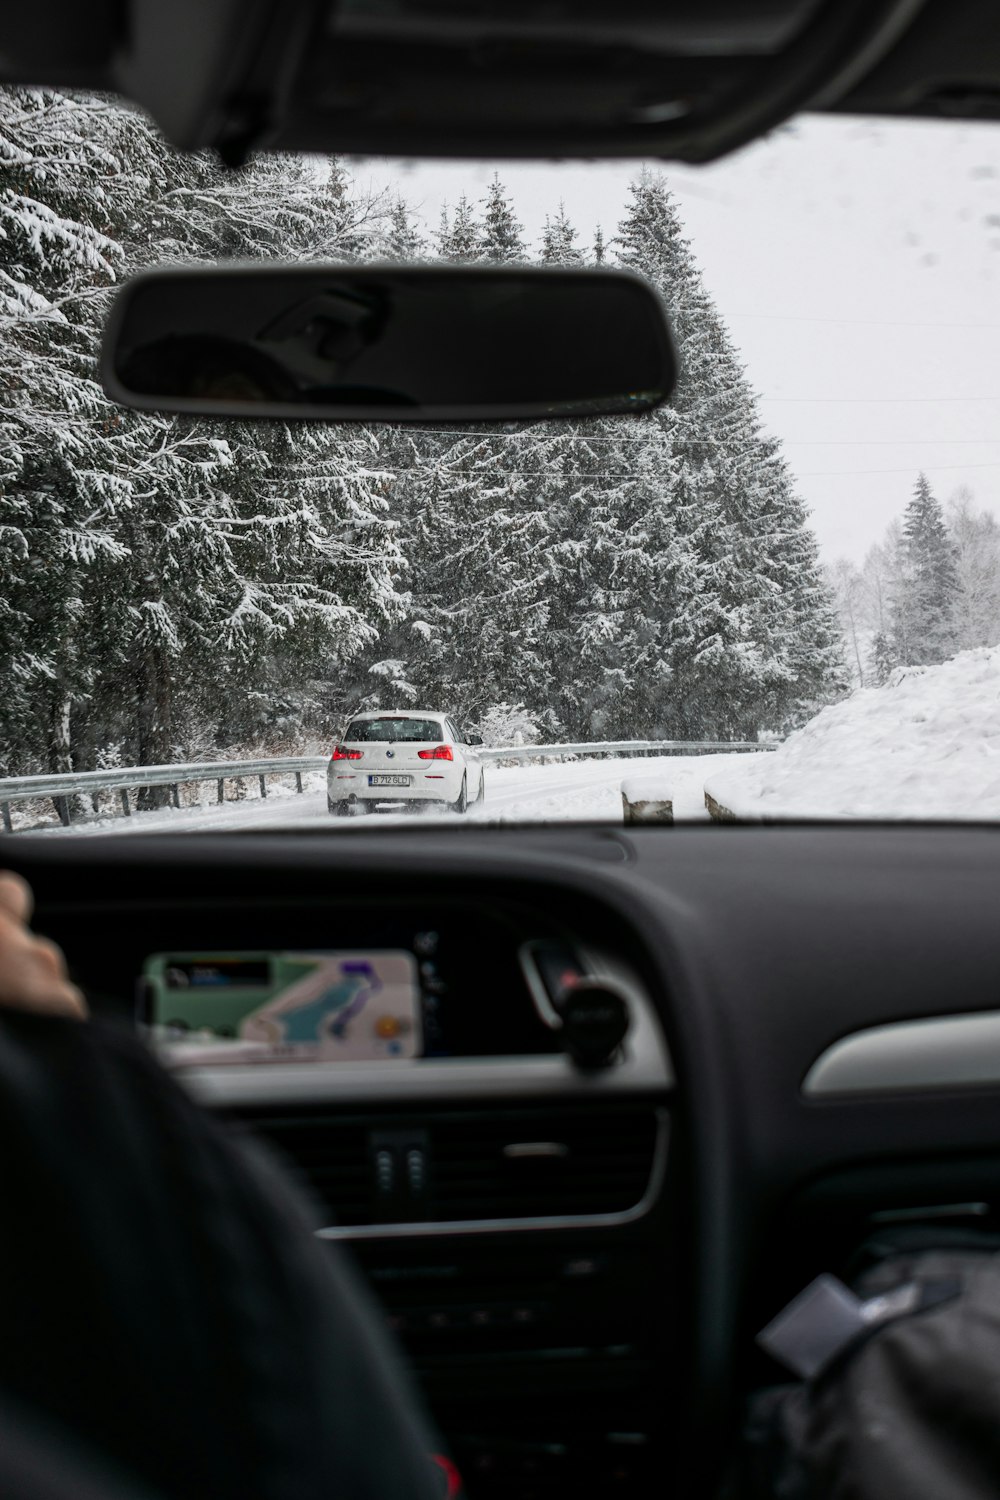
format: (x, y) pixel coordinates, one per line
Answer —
(393, 730)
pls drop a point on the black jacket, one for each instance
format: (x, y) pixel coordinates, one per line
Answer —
(164, 1304)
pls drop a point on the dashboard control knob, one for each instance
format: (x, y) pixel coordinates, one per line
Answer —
(595, 1020)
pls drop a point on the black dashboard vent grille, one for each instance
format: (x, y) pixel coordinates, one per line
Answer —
(329, 1159)
(524, 1165)
(468, 1164)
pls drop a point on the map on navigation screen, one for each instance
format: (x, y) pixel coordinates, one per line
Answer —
(284, 1007)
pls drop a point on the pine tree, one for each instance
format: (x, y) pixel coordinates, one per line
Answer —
(502, 240)
(924, 627)
(600, 254)
(558, 236)
(401, 240)
(459, 237)
(162, 583)
(751, 640)
(621, 578)
(474, 634)
(882, 660)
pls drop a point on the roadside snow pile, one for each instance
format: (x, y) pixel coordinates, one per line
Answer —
(927, 745)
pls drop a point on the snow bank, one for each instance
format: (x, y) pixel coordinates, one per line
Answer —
(927, 745)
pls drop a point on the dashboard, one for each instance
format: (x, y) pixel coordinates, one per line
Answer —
(574, 1241)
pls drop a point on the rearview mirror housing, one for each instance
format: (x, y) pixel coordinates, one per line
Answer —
(389, 343)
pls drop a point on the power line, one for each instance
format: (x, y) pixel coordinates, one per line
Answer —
(875, 400)
(861, 322)
(801, 443)
(610, 474)
(887, 442)
(908, 469)
(620, 474)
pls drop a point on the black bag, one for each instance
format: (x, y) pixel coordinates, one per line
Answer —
(908, 1408)
(164, 1303)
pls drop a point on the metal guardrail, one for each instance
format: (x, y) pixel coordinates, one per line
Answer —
(610, 747)
(124, 779)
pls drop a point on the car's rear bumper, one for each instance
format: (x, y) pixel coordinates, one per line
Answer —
(434, 786)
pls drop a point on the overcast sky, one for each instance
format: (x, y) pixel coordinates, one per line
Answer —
(857, 264)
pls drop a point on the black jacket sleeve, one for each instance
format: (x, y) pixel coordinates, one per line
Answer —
(163, 1300)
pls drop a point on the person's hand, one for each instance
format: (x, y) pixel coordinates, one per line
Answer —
(32, 970)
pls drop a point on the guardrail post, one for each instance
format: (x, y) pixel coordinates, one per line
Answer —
(222, 789)
(263, 786)
(62, 807)
(8, 826)
(126, 807)
(298, 781)
(175, 795)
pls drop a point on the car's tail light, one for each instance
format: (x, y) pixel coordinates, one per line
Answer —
(440, 752)
(339, 753)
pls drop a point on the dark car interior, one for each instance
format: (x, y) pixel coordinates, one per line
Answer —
(577, 1253)
(668, 1075)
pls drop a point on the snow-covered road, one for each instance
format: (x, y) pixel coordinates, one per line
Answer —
(574, 791)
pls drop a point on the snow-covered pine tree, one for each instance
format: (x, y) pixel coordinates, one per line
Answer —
(502, 234)
(401, 239)
(924, 625)
(600, 251)
(882, 660)
(473, 633)
(77, 469)
(754, 644)
(621, 577)
(475, 630)
(558, 236)
(459, 236)
(621, 573)
(164, 582)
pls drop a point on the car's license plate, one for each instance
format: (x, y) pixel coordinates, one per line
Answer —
(388, 781)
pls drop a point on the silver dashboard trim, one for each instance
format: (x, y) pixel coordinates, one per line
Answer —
(420, 1080)
(437, 1229)
(936, 1052)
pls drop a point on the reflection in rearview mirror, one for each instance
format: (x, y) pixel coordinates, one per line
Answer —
(363, 343)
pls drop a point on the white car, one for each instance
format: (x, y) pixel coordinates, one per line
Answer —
(403, 756)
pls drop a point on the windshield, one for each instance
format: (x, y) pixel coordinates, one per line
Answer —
(777, 596)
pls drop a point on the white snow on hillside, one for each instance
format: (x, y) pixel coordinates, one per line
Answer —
(927, 745)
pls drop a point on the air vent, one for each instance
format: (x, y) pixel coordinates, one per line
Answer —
(470, 1166)
(329, 1158)
(527, 1166)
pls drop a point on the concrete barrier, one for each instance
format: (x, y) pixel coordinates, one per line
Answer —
(647, 799)
(720, 813)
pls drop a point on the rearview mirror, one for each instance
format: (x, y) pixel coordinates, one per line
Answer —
(389, 343)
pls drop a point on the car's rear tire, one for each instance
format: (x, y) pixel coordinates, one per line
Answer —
(462, 803)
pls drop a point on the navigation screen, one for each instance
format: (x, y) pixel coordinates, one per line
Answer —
(296, 1006)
